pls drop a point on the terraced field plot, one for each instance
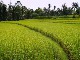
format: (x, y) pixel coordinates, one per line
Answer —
(66, 32)
(21, 43)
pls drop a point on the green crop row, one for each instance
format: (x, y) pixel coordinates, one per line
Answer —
(69, 34)
(21, 43)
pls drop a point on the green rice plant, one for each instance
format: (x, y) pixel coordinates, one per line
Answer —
(69, 34)
(21, 43)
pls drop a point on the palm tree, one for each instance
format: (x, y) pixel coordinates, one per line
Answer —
(54, 10)
(49, 6)
(18, 10)
(74, 6)
(64, 9)
(54, 7)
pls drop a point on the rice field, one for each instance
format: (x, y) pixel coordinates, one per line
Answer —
(20, 43)
(40, 40)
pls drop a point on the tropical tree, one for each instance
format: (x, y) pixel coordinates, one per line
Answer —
(9, 12)
(74, 6)
(78, 11)
(54, 10)
(54, 7)
(69, 10)
(18, 10)
(24, 12)
(3, 11)
(59, 11)
(52, 13)
(49, 6)
(1, 4)
(39, 11)
(64, 9)
(45, 11)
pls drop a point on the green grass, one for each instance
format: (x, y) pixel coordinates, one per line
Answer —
(67, 31)
(20, 43)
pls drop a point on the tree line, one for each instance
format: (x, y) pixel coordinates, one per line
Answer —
(18, 11)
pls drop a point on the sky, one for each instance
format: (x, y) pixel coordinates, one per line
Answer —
(34, 4)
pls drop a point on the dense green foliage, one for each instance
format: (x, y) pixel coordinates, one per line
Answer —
(18, 11)
(21, 43)
(67, 31)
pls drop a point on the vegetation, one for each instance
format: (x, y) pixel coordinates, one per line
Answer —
(63, 32)
(41, 34)
(18, 11)
(20, 43)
